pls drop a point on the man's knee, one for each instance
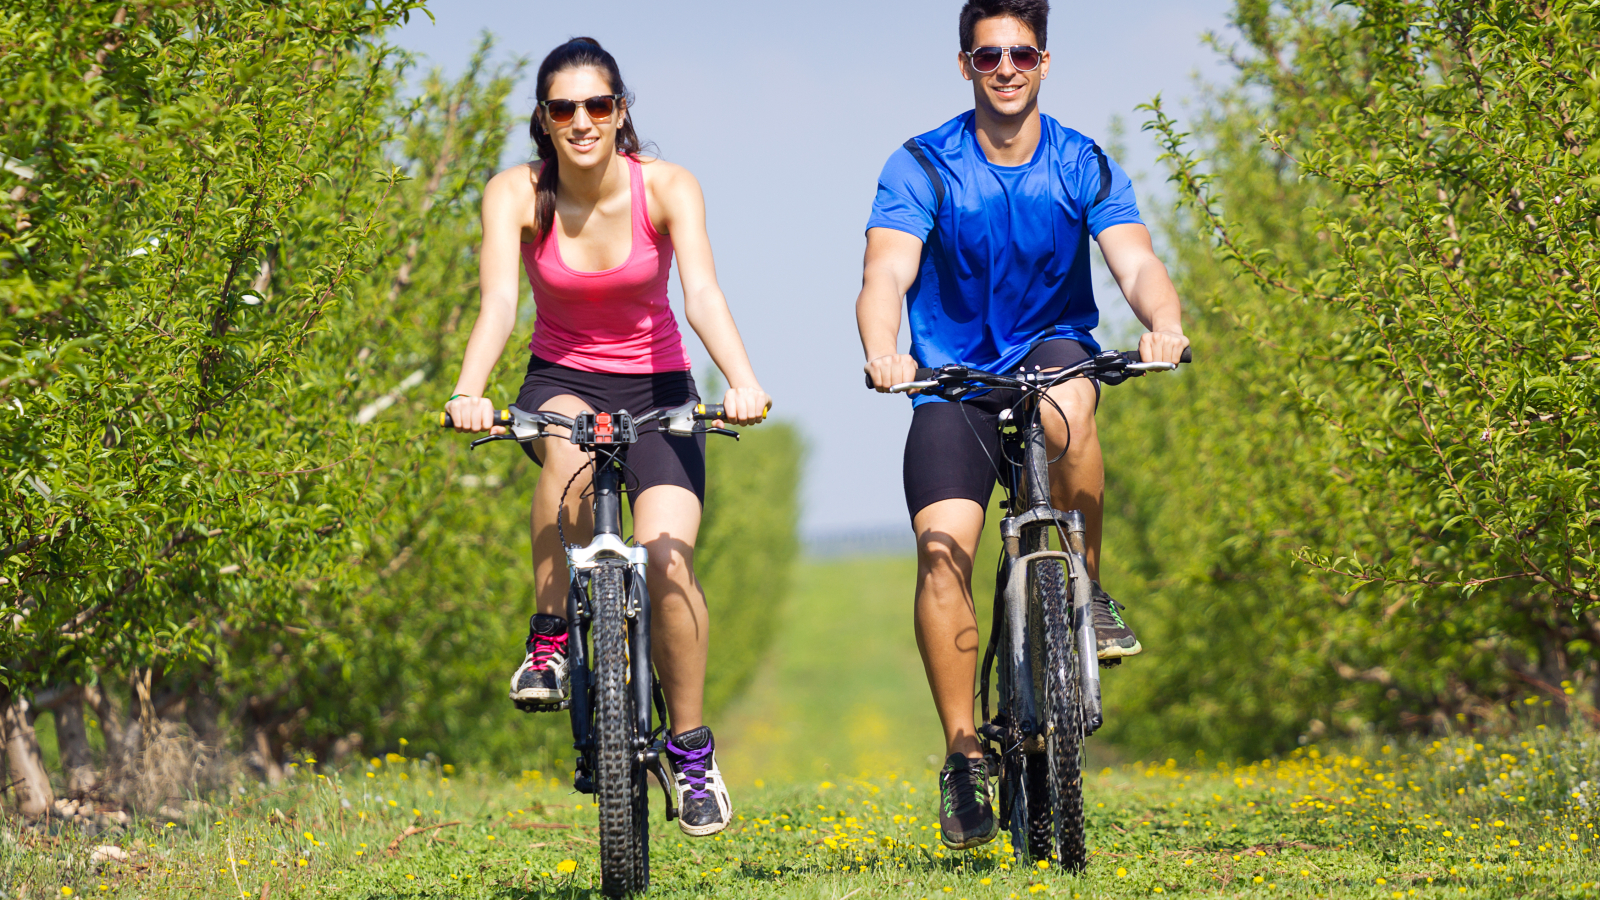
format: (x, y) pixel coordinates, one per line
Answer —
(1070, 419)
(943, 565)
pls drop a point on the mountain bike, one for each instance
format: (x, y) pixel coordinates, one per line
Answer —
(1042, 634)
(613, 687)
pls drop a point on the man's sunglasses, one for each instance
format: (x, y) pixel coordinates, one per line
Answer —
(599, 108)
(987, 59)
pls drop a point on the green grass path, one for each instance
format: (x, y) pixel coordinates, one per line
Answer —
(843, 691)
(834, 799)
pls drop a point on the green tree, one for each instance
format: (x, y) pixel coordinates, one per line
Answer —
(236, 264)
(1391, 243)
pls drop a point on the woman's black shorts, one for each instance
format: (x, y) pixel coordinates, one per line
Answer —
(953, 448)
(656, 458)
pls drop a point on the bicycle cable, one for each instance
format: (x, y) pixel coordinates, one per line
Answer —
(561, 506)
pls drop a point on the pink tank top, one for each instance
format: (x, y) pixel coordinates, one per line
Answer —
(618, 320)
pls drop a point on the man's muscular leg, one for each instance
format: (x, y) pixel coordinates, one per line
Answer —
(946, 622)
(1077, 480)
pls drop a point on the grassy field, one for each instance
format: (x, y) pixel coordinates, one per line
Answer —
(828, 752)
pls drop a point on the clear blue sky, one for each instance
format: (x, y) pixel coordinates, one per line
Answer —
(786, 113)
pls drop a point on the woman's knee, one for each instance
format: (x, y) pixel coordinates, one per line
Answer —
(671, 561)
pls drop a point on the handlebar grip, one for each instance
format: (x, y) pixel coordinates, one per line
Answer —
(1133, 356)
(502, 417)
(715, 410)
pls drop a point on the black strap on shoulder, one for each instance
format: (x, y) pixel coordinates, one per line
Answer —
(915, 149)
(1105, 175)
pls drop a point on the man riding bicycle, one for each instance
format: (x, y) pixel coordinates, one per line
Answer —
(983, 226)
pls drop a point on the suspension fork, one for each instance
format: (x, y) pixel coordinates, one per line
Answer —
(578, 659)
(1083, 624)
(641, 677)
(1016, 611)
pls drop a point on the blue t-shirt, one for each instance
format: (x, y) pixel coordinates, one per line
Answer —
(1008, 265)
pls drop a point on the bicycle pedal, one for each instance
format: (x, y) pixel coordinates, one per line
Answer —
(533, 706)
(1110, 663)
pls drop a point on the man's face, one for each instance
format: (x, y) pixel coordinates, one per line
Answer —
(1005, 91)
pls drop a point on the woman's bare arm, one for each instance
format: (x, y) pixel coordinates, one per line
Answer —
(506, 201)
(704, 304)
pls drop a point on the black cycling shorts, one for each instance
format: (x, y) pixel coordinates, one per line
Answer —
(657, 458)
(953, 448)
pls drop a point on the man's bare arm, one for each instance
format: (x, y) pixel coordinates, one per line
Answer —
(887, 273)
(1145, 282)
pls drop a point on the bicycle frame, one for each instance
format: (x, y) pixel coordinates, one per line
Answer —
(1025, 536)
(607, 548)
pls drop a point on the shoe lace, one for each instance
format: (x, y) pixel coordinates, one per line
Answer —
(962, 783)
(541, 647)
(694, 766)
(1106, 614)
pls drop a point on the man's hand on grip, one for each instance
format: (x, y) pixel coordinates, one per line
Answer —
(1162, 346)
(887, 371)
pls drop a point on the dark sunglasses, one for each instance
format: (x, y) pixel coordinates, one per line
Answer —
(599, 108)
(987, 59)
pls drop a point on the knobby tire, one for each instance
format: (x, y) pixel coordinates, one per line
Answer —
(624, 865)
(1036, 771)
(1064, 715)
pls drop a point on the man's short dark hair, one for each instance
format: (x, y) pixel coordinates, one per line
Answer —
(1032, 13)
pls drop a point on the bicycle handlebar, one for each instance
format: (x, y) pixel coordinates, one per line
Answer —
(702, 412)
(603, 428)
(1111, 367)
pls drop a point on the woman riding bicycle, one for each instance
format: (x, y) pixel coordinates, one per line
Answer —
(595, 225)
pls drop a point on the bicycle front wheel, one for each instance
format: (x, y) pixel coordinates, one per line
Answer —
(619, 781)
(1063, 737)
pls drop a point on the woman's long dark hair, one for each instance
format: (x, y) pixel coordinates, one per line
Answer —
(574, 54)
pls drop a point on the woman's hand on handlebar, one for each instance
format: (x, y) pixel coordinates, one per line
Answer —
(887, 371)
(1162, 346)
(473, 414)
(744, 406)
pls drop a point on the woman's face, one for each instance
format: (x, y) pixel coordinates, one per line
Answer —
(581, 142)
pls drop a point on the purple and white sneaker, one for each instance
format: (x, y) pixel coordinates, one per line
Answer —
(703, 804)
(542, 677)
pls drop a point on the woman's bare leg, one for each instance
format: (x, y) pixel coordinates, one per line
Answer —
(561, 460)
(666, 519)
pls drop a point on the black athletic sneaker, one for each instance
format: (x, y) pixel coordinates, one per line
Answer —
(1112, 635)
(966, 813)
(703, 804)
(542, 677)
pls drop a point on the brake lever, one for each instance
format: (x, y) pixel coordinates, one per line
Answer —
(727, 431)
(491, 438)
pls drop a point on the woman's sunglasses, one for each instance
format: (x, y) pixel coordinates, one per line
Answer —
(987, 59)
(599, 108)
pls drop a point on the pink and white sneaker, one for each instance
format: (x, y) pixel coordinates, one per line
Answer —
(542, 677)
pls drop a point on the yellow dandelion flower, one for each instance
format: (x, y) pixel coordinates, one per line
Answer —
(567, 866)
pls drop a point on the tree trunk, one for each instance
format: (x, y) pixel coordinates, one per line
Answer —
(72, 738)
(261, 743)
(113, 728)
(29, 782)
